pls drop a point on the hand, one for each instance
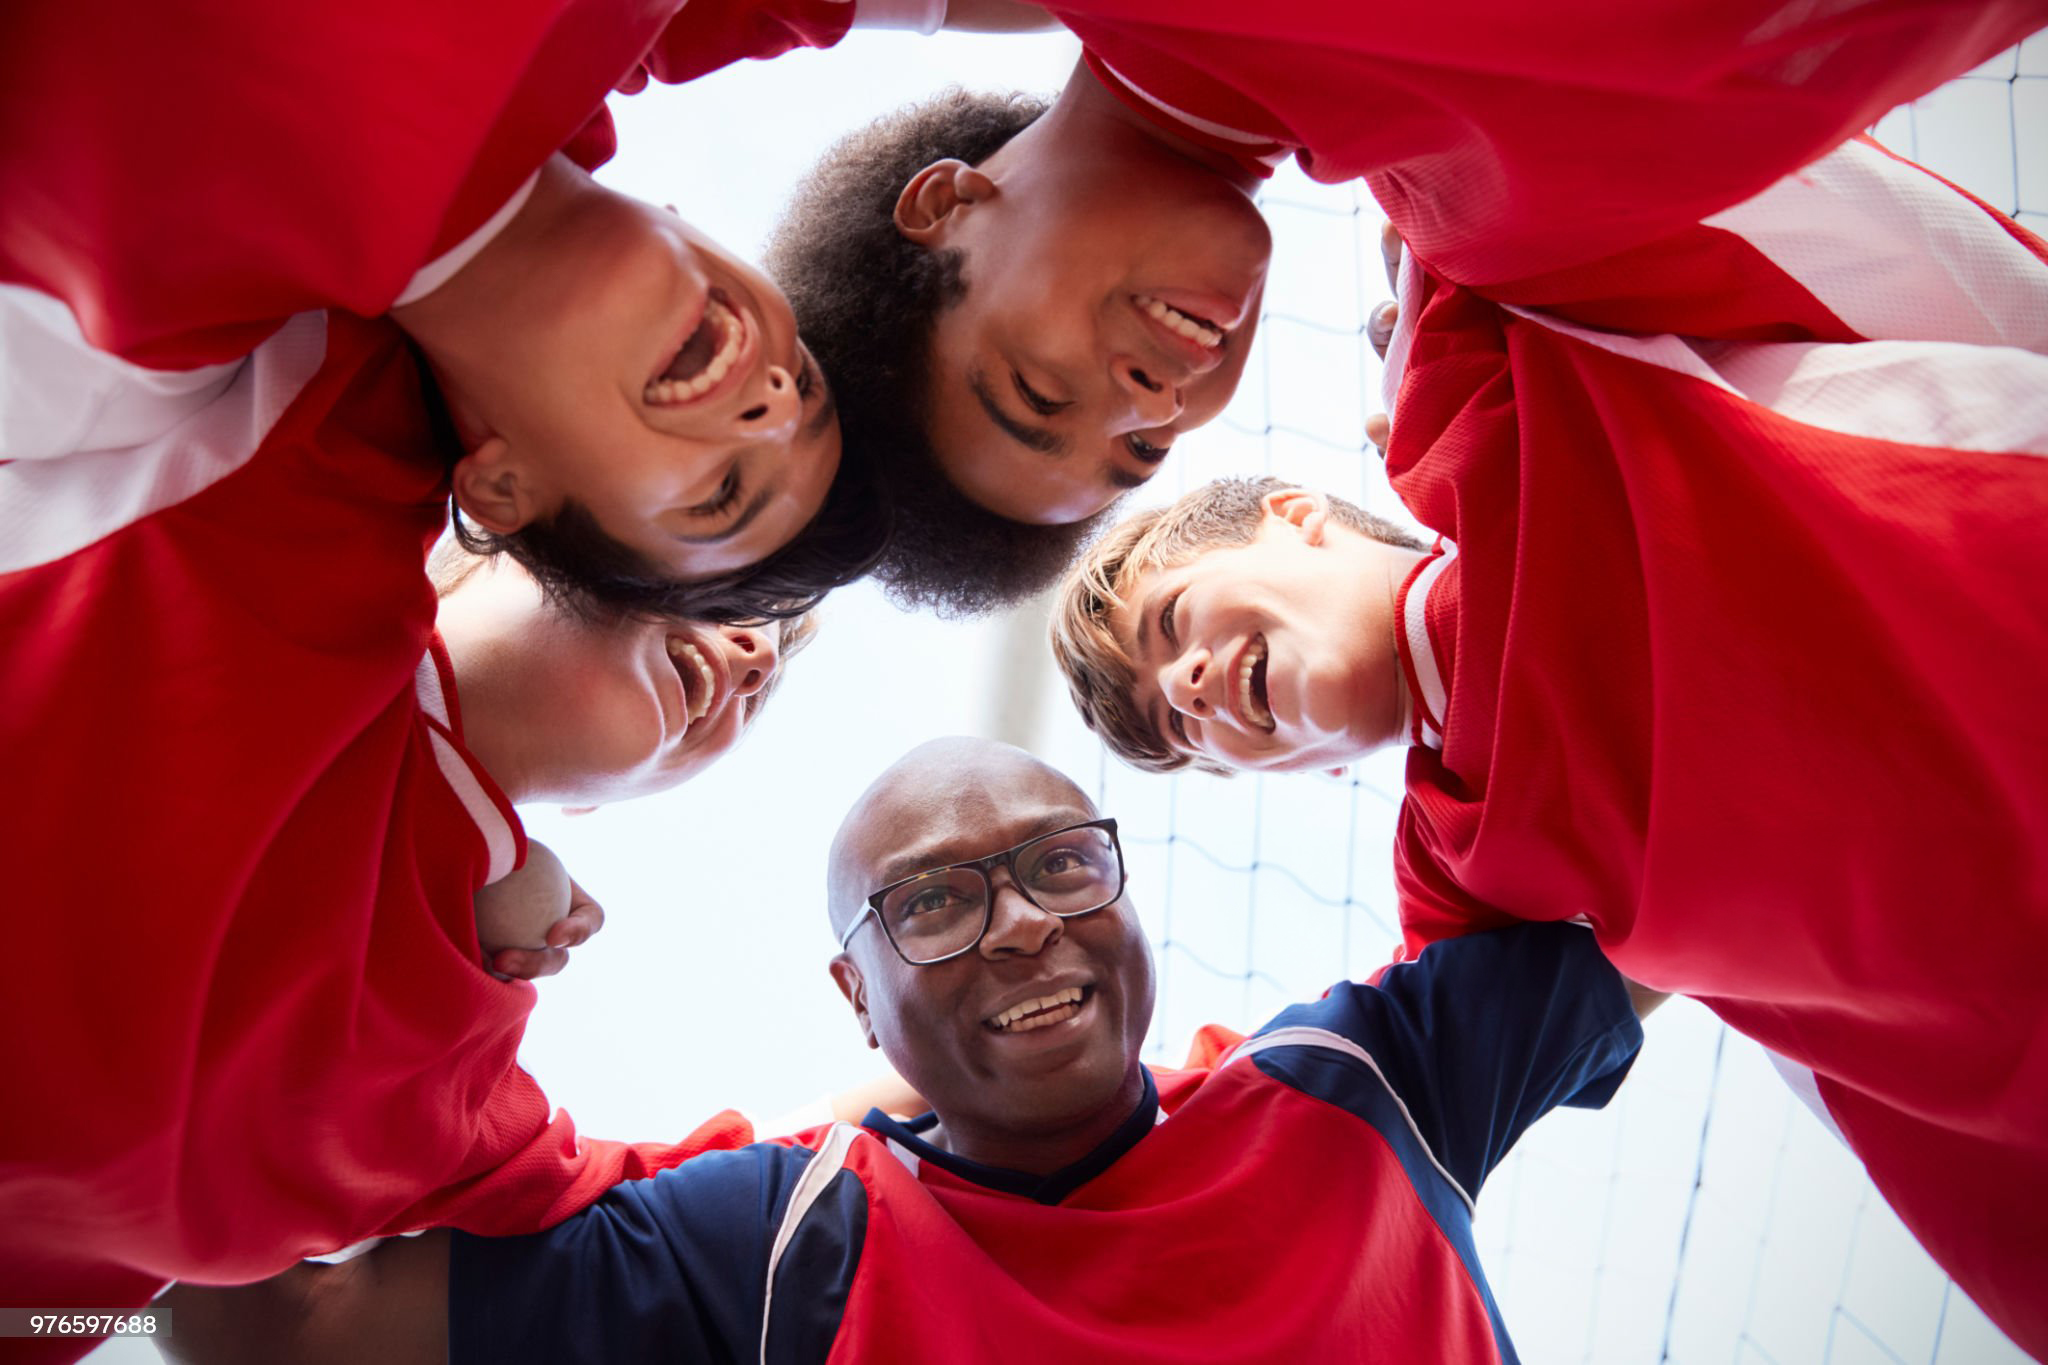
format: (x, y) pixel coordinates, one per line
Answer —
(585, 918)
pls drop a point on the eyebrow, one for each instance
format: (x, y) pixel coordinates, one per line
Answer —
(939, 856)
(1040, 439)
(738, 524)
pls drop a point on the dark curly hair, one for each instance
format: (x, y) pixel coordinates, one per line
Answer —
(866, 299)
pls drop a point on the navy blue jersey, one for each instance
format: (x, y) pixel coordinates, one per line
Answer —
(1308, 1196)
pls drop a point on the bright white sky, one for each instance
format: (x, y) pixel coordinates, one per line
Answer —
(708, 989)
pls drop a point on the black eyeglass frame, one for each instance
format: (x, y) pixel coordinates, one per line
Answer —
(983, 867)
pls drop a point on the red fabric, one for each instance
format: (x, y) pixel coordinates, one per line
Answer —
(1761, 700)
(1198, 1212)
(1508, 140)
(188, 176)
(253, 1025)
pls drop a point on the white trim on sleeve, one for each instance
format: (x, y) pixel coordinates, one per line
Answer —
(499, 840)
(146, 442)
(1802, 1082)
(911, 16)
(60, 394)
(1939, 394)
(1429, 677)
(1895, 253)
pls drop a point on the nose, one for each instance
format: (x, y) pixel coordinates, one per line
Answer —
(772, 406)
(1190, 684)
(752, 656)
(1015, 925)
(1150, 400)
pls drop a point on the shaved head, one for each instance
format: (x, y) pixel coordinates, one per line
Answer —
(1029, 1100)
(943, 785)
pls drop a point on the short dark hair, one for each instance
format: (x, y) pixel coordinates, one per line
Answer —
(866, 299)
(582, 567)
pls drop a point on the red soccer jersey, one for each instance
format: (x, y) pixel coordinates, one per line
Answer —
(1507, 140)
(1736, 651)
(188, 176)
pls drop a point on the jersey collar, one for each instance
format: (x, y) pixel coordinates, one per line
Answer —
(1044, 1189)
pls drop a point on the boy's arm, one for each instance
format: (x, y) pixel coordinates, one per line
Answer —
(389, 1305)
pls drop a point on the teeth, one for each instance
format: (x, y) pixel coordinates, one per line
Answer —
(1247, 699)
(732, 332)
(682, 650)
(1046, 1009)
(1180, 322)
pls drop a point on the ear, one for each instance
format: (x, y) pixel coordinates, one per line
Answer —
(1308, 512)
(932, 200)
(847, 977)
(493, 489)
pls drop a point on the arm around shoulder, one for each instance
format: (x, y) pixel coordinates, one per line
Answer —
(389, 1305)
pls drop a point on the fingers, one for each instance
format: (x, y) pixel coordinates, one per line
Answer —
(1390, 255)
(1379, 327)
(1379, 431)
(529, 964)
(585, 918)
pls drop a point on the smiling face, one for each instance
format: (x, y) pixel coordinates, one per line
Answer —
(1277, 654)
(1035, 1032)
(606, 352)
(597, 711)
(1112, 291)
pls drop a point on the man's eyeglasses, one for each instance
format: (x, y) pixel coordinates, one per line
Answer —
(943, 913)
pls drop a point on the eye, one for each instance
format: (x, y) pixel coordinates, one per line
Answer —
(1144, 450)
(1033, 399)
(728, 493)
(928, 902)
(1166, 628)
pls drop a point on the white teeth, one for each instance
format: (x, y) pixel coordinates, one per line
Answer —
(679, 648)
(732, 332)
(1247, 700)
(1179, 322)
(1046, 1009)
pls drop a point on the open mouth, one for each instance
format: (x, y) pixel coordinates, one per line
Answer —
(712, 352)
(1200, 330)
(700, 676)
(1043, 1012)
(1249, 685)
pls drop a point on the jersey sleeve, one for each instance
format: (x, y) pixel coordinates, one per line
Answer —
(1859, 245)
(1483, 1035)
(530, 1169)
(670, 1268)
(709, 34)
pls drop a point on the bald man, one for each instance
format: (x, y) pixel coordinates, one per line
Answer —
(1304, 1193)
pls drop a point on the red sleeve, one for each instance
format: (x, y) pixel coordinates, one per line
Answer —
(554, 1172)
(1861, 244)
(709, 34)
(187, 176)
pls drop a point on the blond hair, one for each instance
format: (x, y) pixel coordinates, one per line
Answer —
(1100, 674)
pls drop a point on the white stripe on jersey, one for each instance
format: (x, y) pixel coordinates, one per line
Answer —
(1337, 1042)
(499, 840)
(1939, 394)
(1803, 1083)
(138, 442)
(818, 1173)
(1895, 253)
(1429, 677)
